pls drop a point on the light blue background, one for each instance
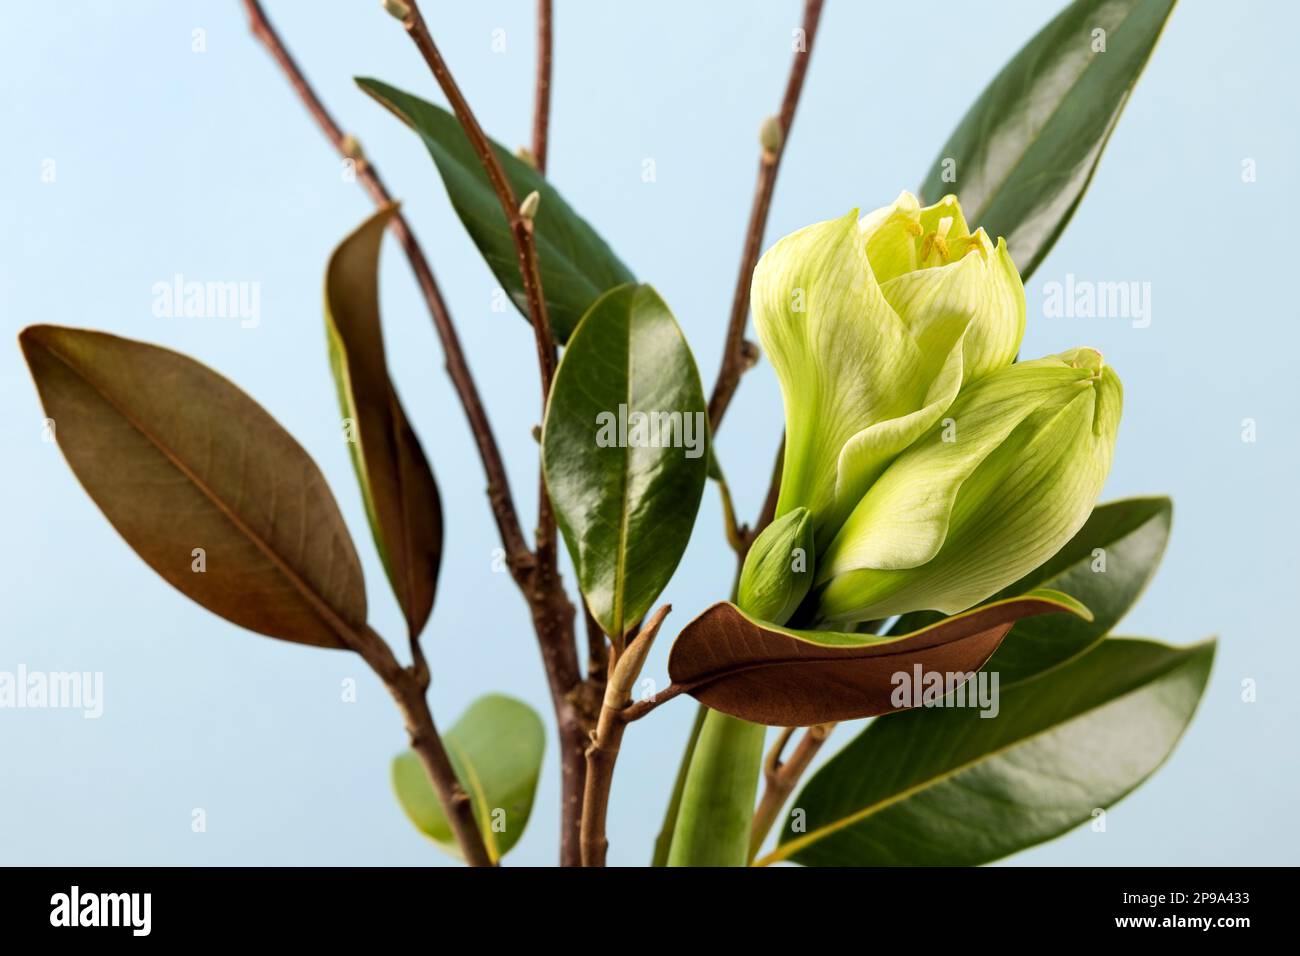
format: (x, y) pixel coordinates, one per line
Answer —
(206, 164)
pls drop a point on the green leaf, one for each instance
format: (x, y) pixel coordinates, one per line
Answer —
(1127, 538)
(1131, 535)
(1027, 149)
(778, 676)
(1062, 745)
(397, 485)
(626, 498)
(202, 482)
(577, 266)
(496, 748)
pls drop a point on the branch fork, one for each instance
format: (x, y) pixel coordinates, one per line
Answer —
(607, 738)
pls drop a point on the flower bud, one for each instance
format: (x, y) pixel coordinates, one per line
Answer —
(778, 570)
(770, 135)
(396, 8)
(528, 208)
(981, 499)
(351, 148)
(526, 156)
(873, 327)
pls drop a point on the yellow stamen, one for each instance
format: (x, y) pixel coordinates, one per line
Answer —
(933, 242)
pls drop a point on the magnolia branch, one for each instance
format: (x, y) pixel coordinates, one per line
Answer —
(737, 354)
(551, 612)
(642, 707)
(780, 778)
(521, 226)
(409, 688)
(542, 90)
(606, 739)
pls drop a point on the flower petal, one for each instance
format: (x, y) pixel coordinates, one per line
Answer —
(844, 358)
(1013, 510)
(979, 295)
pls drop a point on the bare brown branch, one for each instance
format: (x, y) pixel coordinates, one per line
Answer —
(781, 777)
(642, 707)
(735, 354)
(542, 90)
(409, 688)
(552, 611)
(521, 229)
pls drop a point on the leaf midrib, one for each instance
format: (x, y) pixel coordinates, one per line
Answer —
(624, 509)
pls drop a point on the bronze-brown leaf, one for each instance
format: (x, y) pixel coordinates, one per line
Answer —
(782, 677)
(202, 482)
(397, 485)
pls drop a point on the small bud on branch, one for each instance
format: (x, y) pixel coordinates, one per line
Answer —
(397, 9)
(528, 208)
(771, 136)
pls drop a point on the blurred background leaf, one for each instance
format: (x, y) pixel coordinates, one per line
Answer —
(496, 748)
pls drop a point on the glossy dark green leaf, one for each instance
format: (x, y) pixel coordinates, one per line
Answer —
(577, 266)
(1026, 150)
(946, 786)
(783, 677)
(496, 748)
(397, 485)
(202, 482)
(1106, 566)
(625, 452)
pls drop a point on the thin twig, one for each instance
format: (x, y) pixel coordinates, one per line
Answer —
(409, 688)
(642, 707)
(737, 533)
(608, 737)
(542, 90)
(781, 777)
(521, 228)
(768, 513)
(735, 356)
(518, 555)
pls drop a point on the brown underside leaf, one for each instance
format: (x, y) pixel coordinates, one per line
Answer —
(397, 485)
(782, 677)
(179, 459)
